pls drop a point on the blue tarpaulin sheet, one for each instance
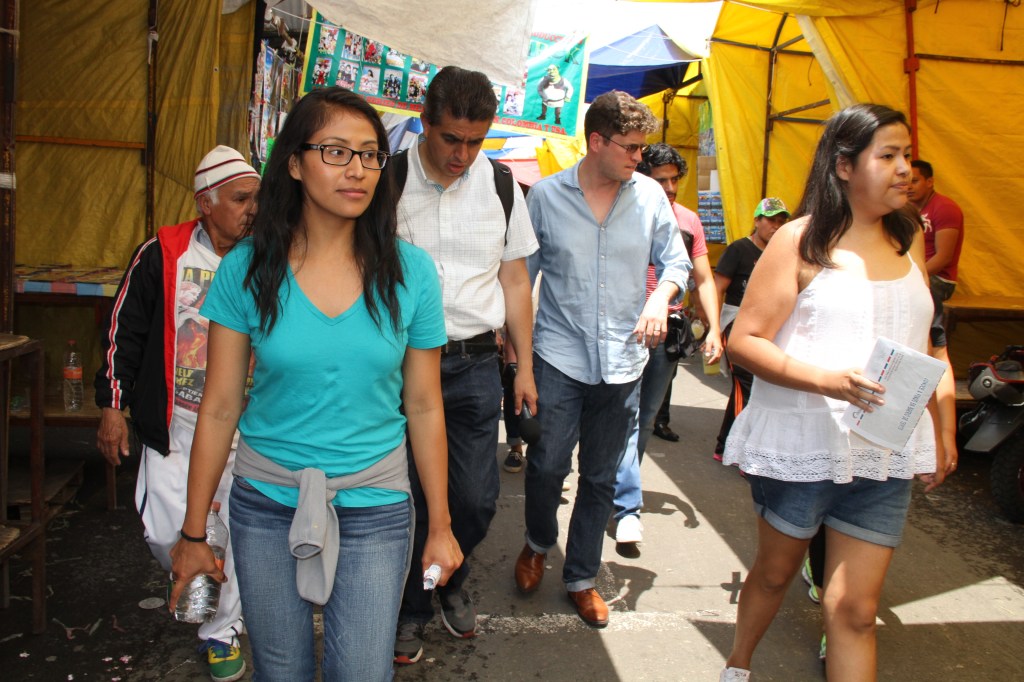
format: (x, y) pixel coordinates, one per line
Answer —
(641, 64)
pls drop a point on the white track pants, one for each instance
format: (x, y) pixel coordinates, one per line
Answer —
(160, 495)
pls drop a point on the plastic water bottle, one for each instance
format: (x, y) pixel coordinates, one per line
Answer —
(198, 602)
(431, 576)
(73, 388)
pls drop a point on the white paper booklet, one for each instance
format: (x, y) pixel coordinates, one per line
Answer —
(909, 377)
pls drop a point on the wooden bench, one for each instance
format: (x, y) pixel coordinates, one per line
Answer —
(961, 308)
(54, 414)
(64, 285)
(964, 400)
(26, 534)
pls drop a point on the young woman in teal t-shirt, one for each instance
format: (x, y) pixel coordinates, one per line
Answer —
(345, 324)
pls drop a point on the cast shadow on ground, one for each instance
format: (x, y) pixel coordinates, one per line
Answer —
(954, 554)
(631, 582)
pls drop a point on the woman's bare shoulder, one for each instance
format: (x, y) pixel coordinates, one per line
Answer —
(789, 235)
(795, 228)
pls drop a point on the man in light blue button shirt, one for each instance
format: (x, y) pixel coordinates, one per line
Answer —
(599, 225)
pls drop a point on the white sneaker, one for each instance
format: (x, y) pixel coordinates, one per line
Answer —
(629, 529)
(734, 675)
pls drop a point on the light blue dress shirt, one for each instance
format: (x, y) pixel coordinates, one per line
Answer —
(594, 284)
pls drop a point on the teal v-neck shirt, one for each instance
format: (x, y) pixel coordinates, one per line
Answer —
(327, 390)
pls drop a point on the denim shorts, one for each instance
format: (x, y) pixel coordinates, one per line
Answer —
(872, 511)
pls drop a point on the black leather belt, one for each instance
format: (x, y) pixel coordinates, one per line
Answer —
(481, 343)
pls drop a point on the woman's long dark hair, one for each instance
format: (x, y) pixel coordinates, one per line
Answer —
(279, 214)
(846, 135)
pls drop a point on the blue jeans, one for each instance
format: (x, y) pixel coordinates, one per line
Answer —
(654, 384)
(471, 389)
(600, 417)
(361, 616)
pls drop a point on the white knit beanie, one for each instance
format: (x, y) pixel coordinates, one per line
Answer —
(221, 166)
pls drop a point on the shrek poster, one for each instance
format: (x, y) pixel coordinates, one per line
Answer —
(545, 102)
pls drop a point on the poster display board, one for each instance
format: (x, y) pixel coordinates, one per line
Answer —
(545, 102)
(276, 84)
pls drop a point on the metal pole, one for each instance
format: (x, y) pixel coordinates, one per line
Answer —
(910, 66)
(773, 57)
(8, 97)
(150, 152)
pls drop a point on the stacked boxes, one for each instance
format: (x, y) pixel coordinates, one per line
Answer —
(709, 194)
(709, 199)
(706, 165)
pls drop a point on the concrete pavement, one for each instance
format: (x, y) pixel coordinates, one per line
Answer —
(953, 606)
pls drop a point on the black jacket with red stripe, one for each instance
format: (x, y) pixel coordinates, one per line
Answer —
(137, 370)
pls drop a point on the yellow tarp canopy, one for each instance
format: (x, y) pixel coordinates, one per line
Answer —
(82, 80)
(969, 95)
(679, 113)
(836, 53)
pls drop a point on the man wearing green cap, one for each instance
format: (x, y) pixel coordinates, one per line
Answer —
(731, 275)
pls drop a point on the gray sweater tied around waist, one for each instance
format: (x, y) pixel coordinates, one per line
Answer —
(313, 537)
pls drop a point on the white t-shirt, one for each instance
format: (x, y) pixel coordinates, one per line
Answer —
(195, 270)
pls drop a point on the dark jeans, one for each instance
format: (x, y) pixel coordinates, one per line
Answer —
(471, 388)
(816, 552)
(663, 415)
(508, 405)
(942, 289)
(601, 418)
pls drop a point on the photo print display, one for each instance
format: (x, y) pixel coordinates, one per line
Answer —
(545, 102)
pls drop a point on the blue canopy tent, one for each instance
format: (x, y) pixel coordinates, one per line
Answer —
(641, 64)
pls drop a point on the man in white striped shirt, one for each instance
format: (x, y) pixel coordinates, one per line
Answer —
(451, 207)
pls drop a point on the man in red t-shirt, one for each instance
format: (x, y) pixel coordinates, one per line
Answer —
(943, 229)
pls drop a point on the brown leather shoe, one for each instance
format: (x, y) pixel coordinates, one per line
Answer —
(590, 607)
(529, 570)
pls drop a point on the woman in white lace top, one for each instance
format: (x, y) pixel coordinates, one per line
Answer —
(849, 270)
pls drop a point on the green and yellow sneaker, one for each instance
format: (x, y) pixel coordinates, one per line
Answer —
(226, 662)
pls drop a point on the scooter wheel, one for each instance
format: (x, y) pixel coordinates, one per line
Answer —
(1007, 479)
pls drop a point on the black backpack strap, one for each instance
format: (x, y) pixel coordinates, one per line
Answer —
(504, 184)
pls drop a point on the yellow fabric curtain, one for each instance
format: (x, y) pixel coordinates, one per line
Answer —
(966, 111)
(203, 95)
(679, 113)
(235, 59)
(817, 7)
(968, 117)
(738, 84)
(83, 77)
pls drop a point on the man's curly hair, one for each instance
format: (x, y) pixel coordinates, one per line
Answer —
(617, 112)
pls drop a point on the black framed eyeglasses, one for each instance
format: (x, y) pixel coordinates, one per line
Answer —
(630, 148)
(336, 155)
